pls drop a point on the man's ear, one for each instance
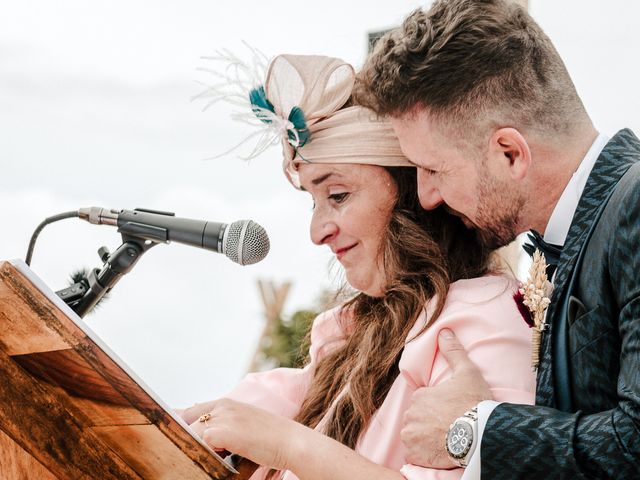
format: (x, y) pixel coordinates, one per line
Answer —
(509, 150)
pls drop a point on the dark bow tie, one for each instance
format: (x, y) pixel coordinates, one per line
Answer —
(551, 252)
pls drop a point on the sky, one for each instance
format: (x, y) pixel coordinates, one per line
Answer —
(96, 109)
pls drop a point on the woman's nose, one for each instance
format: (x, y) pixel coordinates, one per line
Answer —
(322, 228)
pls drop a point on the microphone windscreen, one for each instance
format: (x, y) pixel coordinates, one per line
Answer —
(245, 242)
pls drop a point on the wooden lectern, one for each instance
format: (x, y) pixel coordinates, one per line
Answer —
(69, 409)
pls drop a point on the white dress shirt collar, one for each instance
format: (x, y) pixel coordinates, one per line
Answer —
(562, 215)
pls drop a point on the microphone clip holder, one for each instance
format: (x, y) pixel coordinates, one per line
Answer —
(84, 295)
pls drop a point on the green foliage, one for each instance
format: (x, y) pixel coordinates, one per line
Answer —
(288, 343)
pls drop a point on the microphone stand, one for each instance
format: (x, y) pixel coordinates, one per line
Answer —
(85, 294)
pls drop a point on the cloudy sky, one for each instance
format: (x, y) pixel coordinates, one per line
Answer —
(95, 110)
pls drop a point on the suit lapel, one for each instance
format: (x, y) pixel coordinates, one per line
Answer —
(613, 162)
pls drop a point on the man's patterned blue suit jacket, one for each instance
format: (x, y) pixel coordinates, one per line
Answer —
(586, 423)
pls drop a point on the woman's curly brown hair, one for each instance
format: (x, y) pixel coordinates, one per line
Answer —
(423, 252)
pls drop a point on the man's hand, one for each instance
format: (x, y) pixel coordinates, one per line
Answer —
(433, 409)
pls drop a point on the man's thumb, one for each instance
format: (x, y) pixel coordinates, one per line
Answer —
(453, 351)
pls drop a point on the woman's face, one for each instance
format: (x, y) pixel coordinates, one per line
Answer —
(352, 208)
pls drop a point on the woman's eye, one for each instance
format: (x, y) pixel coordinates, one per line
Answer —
(429, 171)
(339, 197)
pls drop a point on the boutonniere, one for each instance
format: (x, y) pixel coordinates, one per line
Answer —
(532, 300)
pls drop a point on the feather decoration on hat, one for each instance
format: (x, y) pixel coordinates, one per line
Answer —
(294, 99)
(240, 83)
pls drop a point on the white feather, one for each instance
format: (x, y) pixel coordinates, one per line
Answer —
(232, 84)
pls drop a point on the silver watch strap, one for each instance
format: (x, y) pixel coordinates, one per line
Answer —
(472, 414)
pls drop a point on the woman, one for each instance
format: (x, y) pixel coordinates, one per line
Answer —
(416, 272)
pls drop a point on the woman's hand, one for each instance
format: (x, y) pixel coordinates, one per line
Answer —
(251, 432)
(191, 414)
(277, 442)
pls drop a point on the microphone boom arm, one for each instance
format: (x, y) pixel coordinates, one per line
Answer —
(85, 295)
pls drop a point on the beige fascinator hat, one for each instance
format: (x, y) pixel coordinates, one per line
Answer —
(303, 103)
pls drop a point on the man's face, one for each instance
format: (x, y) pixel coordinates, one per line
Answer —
(453, 173)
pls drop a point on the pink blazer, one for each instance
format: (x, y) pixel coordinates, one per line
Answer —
(483, 315)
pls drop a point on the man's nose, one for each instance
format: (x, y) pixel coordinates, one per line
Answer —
(428, 192)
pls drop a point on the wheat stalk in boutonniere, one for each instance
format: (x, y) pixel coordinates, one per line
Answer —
(536, 294)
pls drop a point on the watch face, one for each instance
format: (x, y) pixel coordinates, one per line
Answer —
(459, 439)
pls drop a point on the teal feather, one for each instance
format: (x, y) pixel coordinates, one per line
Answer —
(259, 103)
(300, 123)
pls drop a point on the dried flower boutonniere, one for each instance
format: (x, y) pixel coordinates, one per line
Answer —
(535, 294)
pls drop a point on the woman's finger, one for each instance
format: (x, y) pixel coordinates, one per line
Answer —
(191, 414)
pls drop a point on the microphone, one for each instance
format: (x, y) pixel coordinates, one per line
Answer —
(244, 241)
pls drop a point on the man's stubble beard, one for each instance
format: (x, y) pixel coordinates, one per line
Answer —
(498, 213)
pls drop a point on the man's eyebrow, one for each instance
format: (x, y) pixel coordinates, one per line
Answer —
(420, 167)
(413, 164)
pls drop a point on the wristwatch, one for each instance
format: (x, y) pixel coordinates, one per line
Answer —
(462, 437)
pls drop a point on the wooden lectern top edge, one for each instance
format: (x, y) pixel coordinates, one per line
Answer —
(71, 332)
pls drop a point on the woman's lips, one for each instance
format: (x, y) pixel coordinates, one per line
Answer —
(341, 251)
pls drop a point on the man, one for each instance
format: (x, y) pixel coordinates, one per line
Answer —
(485, 108)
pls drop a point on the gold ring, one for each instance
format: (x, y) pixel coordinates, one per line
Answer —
(204, 418)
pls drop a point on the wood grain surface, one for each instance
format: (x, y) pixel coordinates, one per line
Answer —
(68, 410)
(17, 464)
